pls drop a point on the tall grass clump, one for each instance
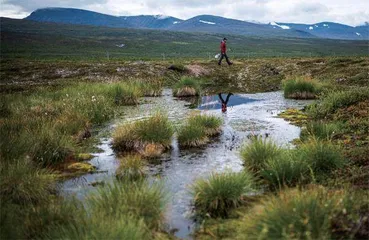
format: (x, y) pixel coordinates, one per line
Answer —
(137, 136)
(126, 93)
(192, 135)
(151, 88)
(336, 100)
(100, 226)
(221, 192)
(286, 170)
(139, 199)
(131, 168)
(23, 183)
(211, 124)
(322, 156)
(320, 130)
(303, 214)
(187, 87)
(27, 203)
(301, 88)
(256, 153)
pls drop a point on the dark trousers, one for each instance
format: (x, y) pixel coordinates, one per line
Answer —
(224, 55)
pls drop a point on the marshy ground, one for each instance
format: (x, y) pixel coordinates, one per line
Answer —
(53, 114)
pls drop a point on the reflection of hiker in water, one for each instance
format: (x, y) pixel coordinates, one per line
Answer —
(223, 52)
(224, 103)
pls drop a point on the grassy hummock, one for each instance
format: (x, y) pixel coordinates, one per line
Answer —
(197, 130)
(211, 124)
(221, 192)
(301, 88)
(137, 136)
(187, 87)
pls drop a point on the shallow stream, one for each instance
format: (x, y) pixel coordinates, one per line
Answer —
(247, 114)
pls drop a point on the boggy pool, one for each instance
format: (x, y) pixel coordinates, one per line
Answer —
(247, 114)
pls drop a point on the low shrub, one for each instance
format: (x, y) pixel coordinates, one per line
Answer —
(221, 192)
(336, 100)
(304, 214)
(256, 153)
(187, 87)
(131, 168)
(301, 88)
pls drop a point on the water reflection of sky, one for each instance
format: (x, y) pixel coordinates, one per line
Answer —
(213, 102)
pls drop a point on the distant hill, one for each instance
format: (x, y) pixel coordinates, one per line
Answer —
(202, 23)
(84, 17)
(329, 30)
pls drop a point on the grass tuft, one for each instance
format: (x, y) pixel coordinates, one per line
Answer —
(256, 153)
(139, 199)
(285, 170)
(138, 135)
(187, 87)
(131, 168)
(212, 124)
(301, 88)
(221, 192)
(320, 130)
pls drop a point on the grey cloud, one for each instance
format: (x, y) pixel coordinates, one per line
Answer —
(32, 5)
(310, 8)
(181, 3)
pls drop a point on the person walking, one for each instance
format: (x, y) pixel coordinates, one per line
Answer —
(223, 52)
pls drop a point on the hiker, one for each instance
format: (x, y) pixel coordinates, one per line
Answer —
(224, 103)
(223, 52)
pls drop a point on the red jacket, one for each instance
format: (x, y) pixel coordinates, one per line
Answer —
(223, 47)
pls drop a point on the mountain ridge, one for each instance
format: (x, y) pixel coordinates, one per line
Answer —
(202, 23)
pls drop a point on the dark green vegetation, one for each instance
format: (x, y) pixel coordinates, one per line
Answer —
(34, 40)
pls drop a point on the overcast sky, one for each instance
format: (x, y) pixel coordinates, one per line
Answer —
(351, 12)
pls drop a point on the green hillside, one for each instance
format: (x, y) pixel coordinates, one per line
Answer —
(28, 39)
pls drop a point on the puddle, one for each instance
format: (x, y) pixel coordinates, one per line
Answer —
(246, 114)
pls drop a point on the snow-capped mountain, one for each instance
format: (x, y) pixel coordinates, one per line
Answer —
(202, 23)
